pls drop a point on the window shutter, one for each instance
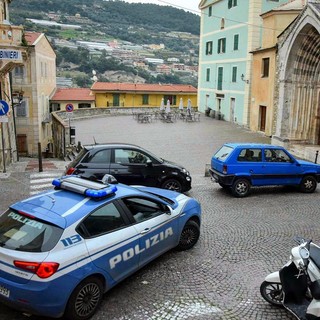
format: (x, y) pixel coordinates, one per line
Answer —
(236, 42)
(220, 78)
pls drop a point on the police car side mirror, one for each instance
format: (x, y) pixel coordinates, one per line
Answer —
(149, 163)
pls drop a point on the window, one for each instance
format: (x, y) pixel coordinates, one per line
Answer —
(223, 153)
(265, 67)
(220, 78)
(21, 109)
(54, 107)
(236, 42)
(208, 74)
(172, 99)
(234, 74)
(19, 72)
(210, 11)
(103, 220)
(25, 233)
(143, 209)
(130, 156)
(145, 99)
(252, 155)
(222, 22)
(222, 45)
(209, 47)
(232, 3)
(84, 105)
(276, 155)
(102, 156)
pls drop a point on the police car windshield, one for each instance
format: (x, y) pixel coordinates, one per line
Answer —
(24, 233)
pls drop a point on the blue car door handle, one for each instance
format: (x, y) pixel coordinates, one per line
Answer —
(145, 231)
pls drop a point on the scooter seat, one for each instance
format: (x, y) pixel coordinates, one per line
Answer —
(315, 255)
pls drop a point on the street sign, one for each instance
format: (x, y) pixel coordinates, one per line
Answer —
(4, 119)
(69, 107)
(4, 108)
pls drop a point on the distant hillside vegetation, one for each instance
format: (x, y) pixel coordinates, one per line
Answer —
(112, 15)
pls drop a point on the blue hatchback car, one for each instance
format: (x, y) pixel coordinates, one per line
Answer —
(62, 249)
(241, 165)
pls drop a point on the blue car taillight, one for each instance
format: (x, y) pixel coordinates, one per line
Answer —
(225, 169)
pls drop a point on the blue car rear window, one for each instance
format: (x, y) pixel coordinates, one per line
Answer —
(25, 233)
(223, 153)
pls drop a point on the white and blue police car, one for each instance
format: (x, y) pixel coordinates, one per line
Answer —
(61, 250)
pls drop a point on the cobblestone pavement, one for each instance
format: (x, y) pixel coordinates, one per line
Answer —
(242, 240)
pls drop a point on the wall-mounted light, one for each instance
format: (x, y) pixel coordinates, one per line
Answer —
(243, 79)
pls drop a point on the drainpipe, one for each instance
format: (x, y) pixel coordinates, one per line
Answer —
(14, 116)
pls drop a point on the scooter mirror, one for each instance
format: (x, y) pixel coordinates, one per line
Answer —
(304, 253)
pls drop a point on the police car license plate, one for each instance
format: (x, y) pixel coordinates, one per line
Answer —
(4, 291)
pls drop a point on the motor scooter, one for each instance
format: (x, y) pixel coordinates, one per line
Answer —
(296, 286)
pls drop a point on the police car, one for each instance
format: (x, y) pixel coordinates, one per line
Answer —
(62, 249)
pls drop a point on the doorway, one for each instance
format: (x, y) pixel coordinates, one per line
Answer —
(263, 117)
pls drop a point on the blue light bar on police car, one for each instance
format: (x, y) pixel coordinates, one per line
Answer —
(88, 188)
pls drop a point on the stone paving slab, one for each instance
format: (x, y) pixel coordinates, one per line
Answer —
(242, 240)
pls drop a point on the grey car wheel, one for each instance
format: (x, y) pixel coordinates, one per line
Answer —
(241, 188)
(172, 184)
(308, 184)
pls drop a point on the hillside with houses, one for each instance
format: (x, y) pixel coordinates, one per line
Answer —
(123, 43)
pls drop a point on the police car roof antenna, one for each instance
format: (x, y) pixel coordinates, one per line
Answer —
(94, 140)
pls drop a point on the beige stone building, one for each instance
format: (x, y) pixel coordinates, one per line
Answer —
(264, 65)
(12, 54)
(36, 81)
(297, 100)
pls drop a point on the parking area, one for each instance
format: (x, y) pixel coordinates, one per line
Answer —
(242, 240)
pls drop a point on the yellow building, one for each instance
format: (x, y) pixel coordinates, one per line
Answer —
(35, 81)
(264, 65)
(12, 53)
(108, 94)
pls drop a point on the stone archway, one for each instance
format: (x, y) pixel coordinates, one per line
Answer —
(298, 101)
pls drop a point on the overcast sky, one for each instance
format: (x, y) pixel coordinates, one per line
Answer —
(191, 5)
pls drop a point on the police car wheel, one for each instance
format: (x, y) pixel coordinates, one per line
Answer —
(85, 299)
(189, 236)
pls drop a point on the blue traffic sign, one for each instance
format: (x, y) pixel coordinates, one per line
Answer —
(69, 107)
(4, 108)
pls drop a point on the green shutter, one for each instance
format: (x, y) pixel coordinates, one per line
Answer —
(236, 42)
(224, 45)
(229, 4)
(220, 78)
(234, 74)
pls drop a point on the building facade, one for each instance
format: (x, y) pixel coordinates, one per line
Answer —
(36, 80)
(108, 94)
(12, 54)
(264, 65)
(297, 100)
(74, 98)
(230, 30)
